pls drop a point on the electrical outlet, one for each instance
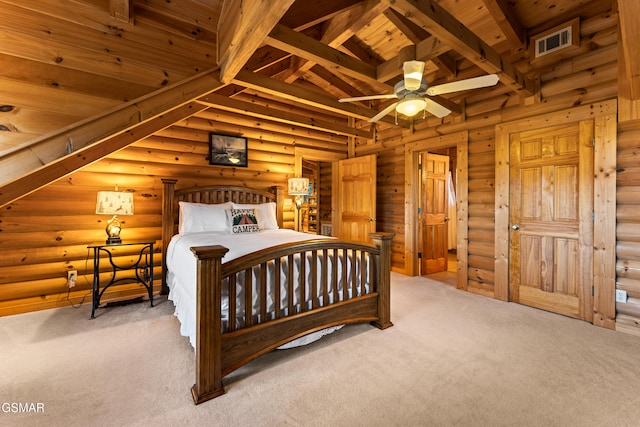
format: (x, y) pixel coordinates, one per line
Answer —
(72, 278)
(621, 296)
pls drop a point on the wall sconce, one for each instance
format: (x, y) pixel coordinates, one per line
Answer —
(298, 187)
(114, 203)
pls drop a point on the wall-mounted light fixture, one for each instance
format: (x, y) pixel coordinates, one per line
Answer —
(114, 203)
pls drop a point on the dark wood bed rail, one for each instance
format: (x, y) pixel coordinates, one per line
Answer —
(218, 353)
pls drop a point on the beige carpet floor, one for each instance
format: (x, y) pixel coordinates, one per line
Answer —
(452, 359)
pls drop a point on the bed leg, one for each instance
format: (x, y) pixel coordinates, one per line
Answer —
(383, 242)
(208, 323)
(203, 397)
(168, 229)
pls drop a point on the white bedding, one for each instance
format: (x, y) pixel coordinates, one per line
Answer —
(181, 267)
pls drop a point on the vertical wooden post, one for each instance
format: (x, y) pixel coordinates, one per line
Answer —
(208, 323)
(604, 224)
(502, 212)
(383, 242)
(279, 192)
(462, 213)
(168, 194)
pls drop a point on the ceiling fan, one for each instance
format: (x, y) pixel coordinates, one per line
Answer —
(412, 92)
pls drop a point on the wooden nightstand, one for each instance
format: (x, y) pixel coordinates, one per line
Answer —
(143, 268)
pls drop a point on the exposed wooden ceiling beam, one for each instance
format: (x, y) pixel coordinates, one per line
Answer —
(341, 28)
(54, 156)
(441, 24)
(417, 34)
(347, 90)
(507, 21)
(628, 11)
(426, 50)
(413, 32)
(50, 172)
(310, 49)
(446, 64)
(304, 96)
(305, 14)
(365, 53)
(122, 10)
(242, 29)
(262, 112)
(344, 26)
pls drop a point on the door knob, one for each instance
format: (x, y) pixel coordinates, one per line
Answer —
(515, 226)
(446, 219)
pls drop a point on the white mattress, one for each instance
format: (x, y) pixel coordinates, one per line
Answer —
(181, 276)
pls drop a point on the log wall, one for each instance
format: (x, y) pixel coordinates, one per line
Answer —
(588, 75)
(628, 226)
(45, 234)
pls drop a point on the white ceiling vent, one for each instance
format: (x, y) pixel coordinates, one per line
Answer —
(553, 42)
(557, 38)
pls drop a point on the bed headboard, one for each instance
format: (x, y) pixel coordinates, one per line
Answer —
(210, 195)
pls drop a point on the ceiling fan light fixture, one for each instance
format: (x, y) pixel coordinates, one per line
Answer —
(411, 106)
(413, 74)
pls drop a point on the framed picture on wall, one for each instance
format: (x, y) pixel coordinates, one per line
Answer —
(227, 150)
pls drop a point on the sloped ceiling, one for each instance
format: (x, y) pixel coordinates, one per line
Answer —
(81, 79)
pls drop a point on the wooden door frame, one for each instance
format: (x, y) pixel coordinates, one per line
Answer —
(460, 140)
(320, 156)
(604, 115)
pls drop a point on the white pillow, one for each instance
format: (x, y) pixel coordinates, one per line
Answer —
(199, 217)
(265, 213)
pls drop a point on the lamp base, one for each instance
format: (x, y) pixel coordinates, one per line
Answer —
(114, 241)
(113, 231)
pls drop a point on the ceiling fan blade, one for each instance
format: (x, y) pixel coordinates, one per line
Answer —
(383, 113)
(473, 83)
(436, 109)
(366, 98)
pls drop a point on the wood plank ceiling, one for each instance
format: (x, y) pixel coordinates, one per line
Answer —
(81, 79)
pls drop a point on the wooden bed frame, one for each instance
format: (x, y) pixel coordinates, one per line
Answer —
(220, 352)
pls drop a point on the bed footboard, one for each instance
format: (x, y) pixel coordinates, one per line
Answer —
(359, 291)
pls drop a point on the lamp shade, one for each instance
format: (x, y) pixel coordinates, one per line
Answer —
(114, 203)
(411, 106)
(413, 74)
(298, 186)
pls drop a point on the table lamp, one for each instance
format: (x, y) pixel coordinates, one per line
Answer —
(298, 187)
(114, 203)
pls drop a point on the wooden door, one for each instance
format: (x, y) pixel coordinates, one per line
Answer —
(551, 207)
(356, 179)
(433, 209)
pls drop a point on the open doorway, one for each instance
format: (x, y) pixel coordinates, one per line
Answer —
(316, 211)
(437, 233)
(318, 166)
(456, 146)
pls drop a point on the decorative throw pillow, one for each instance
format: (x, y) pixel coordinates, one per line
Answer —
(243, 221)
(265, 213)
